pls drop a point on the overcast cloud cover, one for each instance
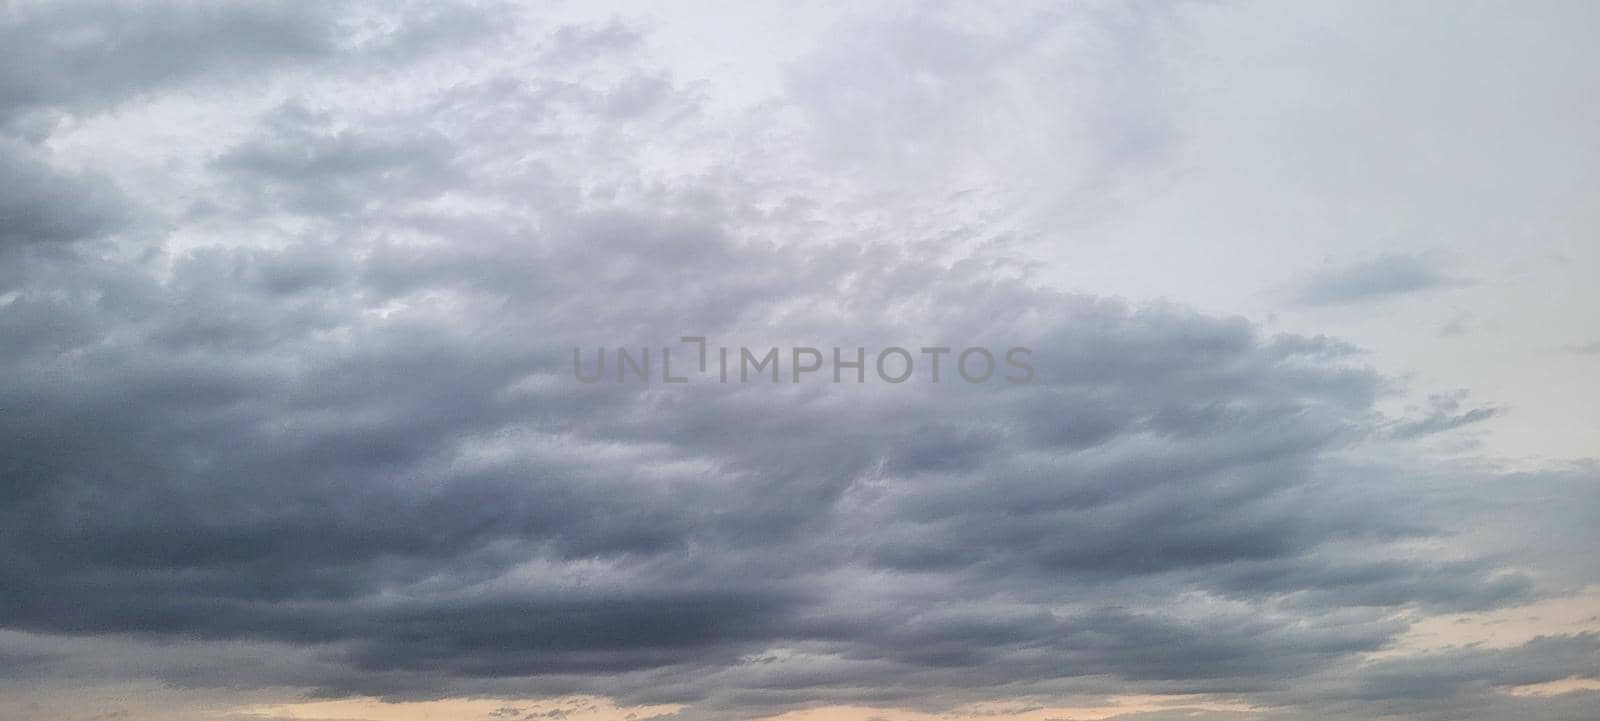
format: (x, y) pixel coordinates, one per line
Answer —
(289, 295)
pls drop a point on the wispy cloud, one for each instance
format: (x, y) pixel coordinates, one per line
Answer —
(1380, 278)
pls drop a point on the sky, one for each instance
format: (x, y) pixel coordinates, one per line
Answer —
(296, 303)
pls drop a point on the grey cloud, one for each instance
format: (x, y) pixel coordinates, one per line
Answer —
(88, 55)
(334, 444)
(1317, 346)
(1382, 277)
(1462, 322)
(578, 44)
(310, 169)
(1445, 413)
(41, 204)
(1466, 680)
(1447, 587)
(315, 459)
(84, 58)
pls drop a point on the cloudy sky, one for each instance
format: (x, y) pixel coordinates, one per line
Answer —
(290, 293)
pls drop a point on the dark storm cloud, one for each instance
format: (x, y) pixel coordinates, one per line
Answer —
(343, 427)
(1385, 276)
(40, 204)
(264, 459)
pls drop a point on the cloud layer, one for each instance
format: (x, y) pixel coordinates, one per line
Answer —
(301, 414)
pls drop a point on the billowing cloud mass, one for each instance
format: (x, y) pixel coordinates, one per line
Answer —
(289, 300)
